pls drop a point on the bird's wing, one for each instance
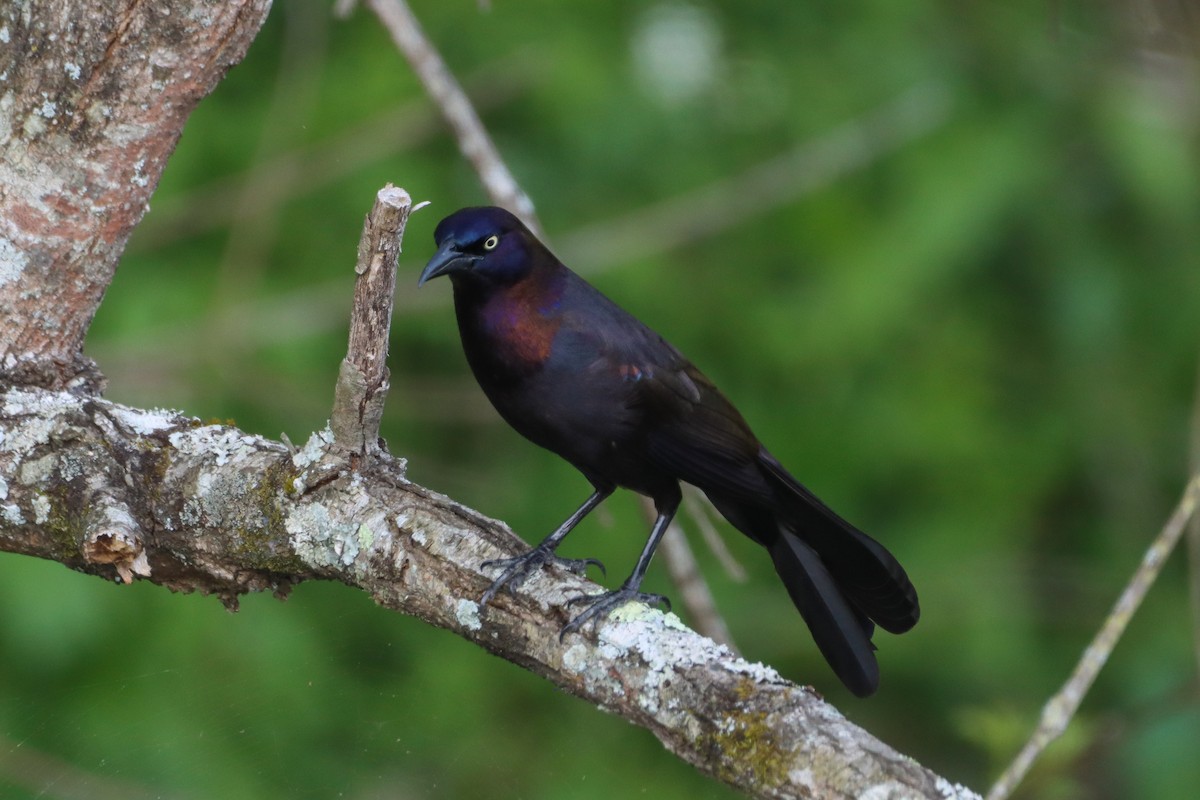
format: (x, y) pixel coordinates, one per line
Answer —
(699, 437)
(688, 428)
(691, 431)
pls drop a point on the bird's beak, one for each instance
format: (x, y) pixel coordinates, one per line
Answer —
(446, 260)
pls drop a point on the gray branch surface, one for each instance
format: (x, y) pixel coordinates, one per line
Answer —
(133, 494)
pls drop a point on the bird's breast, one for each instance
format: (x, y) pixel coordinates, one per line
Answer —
(508, 334)
(520, 332)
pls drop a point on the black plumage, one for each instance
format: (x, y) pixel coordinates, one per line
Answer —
(578, 375)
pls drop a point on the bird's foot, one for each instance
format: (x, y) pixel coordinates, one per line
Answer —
(517, 570)
(601, 605)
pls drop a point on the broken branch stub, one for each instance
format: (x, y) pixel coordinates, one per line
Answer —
(363, 377)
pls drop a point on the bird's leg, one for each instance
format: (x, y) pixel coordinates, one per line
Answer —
(601, 605)
(516, 570)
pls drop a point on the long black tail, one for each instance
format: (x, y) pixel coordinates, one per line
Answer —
(865, 571)
(841, 634)
(842, 581)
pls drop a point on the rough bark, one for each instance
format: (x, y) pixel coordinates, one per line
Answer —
(362, 383)
(121, 492)
(93, 98)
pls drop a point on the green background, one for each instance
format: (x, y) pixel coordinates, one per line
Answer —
(978, 344)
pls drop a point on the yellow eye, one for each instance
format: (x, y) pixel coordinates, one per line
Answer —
(491, 242)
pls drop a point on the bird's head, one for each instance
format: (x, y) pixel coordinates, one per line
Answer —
(484, 243)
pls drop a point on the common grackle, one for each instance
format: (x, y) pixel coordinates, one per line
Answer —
(576, 374)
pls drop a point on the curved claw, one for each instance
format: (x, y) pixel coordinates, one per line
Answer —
(518, 569)
(583, 564)
(605, 603)
(500, 583)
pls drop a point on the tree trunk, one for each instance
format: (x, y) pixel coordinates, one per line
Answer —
(93, 98)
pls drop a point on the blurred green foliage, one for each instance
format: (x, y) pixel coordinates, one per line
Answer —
(981, 346)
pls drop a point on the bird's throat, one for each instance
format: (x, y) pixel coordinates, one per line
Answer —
(515, 324)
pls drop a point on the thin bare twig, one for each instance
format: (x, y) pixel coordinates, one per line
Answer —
(447, 94)
(1193, 544)
(700, 511)
(1057, 713)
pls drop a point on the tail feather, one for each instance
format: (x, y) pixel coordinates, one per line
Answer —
(841, 633)
(866, 572)
(842, 581)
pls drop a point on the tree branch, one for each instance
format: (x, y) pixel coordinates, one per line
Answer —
(209, 508)
(90, 113)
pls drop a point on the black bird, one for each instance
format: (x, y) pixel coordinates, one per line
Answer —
(573, 372)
